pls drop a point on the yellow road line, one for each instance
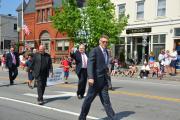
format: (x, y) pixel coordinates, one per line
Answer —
(67, 85)
(6, 78)
(146, 96)
(131, 94)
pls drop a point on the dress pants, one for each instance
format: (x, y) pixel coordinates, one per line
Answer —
(109, 82)
(105, 100)
(13, 72)
(41, 84)
(82, 82)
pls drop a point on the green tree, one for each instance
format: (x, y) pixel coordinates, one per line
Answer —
(101, 20)
(95, 19)
(67, 19)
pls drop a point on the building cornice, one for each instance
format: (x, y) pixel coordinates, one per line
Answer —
(155, 23)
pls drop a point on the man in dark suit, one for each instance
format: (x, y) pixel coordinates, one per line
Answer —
(81, 69)
(98, 79)
(12, 63)
(41, 67)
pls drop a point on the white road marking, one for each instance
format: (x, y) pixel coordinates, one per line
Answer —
(62, 94)
(46, 107)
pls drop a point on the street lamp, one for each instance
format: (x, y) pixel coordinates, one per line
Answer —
(144, 44)
(18, 30)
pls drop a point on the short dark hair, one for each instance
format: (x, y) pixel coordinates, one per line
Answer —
(104, 36)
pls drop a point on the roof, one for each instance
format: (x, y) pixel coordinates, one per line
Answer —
(19, 8)
(31, 6)
(57, 3)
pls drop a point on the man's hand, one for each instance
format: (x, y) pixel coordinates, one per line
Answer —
(90, 82)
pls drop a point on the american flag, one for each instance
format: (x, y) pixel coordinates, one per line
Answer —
(26, 29)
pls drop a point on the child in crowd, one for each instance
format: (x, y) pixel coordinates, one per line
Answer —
(66, 67)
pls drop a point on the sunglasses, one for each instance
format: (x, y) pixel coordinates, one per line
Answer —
(104, 41)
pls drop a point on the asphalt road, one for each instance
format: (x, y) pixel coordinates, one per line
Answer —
(132, 99)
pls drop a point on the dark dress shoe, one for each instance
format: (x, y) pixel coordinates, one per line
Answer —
(11, 83)
(80, 96)
(40, 102)
(111, 88)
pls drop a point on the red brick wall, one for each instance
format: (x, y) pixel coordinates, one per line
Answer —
(36, 30)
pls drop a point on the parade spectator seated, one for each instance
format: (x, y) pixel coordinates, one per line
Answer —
(154, 69)
(115, 70)
(131, 71)
(145, 69)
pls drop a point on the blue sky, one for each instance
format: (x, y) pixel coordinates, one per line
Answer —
(9, 6)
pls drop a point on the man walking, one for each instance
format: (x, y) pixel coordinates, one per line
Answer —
(81, 69)
(12, 63)
(41, 67)
(98, 79)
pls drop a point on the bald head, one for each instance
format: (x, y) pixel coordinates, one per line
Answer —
(41, 49)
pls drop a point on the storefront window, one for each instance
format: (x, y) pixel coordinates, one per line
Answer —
(155, 39)
(157, 48)
(162, 38)
(129, 40)
(158, 44)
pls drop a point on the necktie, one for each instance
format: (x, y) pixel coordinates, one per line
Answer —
(105, 55)
(14, 59)
(84, 61)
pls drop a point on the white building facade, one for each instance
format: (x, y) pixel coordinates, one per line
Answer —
(8, 32)
(153, 25)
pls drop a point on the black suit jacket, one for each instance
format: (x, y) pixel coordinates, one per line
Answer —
(78, 59)
(9, 60)
(97, 68)
(36, 64)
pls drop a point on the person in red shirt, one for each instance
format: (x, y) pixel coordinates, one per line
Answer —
(65, 64)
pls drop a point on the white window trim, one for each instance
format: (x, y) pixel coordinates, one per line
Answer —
(157, 10)
(140, 19)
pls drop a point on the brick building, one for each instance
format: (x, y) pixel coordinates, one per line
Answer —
(37, 17)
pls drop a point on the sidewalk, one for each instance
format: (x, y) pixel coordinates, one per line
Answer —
(165, 77)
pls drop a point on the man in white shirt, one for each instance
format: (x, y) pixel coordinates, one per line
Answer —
(144, 70)
(81, 69)
(173, 62)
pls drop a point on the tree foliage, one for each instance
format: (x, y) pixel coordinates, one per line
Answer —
(95, 19)
(102, 20)
(67, 19)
